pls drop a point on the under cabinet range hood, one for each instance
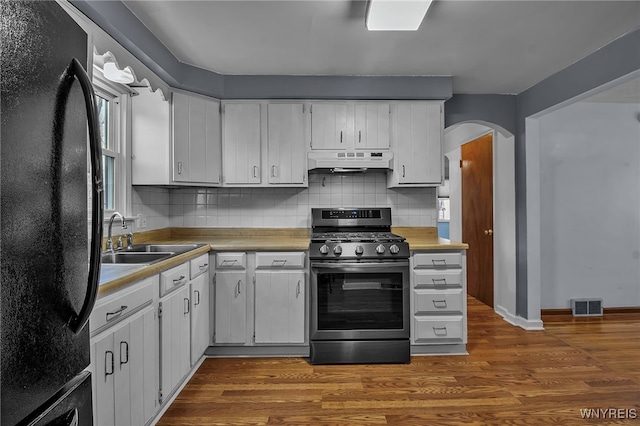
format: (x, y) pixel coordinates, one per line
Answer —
(348, 162)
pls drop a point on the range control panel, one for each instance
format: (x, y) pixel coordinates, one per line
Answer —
(352, 214)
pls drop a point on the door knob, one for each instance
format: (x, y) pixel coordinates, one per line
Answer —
(488, 232)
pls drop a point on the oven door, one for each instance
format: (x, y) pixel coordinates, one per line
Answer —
(359, 301)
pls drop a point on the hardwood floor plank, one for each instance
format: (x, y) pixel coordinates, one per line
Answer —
(510, 377)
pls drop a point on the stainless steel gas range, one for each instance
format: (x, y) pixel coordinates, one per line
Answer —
(359, 288)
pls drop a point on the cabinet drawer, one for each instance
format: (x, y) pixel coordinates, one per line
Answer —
(174, 278)
(280, 260)
(122, 304)
(424, 278)
(231, 260)
(433, 329)
(199, 265)
(438, 301)
(437, 260)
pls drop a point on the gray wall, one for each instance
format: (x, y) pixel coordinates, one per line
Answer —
(497, 109)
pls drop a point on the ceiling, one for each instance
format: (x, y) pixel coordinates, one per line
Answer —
(498, 47)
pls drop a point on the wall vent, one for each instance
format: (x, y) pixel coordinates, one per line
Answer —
(586, 307)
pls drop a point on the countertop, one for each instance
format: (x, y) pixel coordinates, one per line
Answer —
(114, 277)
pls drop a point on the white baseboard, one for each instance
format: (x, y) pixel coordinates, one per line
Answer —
(519, 321)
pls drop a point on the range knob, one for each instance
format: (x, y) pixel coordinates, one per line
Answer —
(359, 250)
(380, 249)
(394, 249)
(337, 250)
(324, 249)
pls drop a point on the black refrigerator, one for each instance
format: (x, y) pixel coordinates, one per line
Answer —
(49, 249)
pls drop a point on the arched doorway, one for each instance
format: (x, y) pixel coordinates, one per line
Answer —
(504, 251)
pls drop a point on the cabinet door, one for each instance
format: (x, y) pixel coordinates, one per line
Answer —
(279, 307)
(103, 363)
(241, 143)
(372, 126)
(181, 136)
(150, 139)
(418, 133)
(196, 139)
(329, 126)
(199, 316)
(142, 348)
(287, 162)
(122, 375)
(175, 343)
(231, 307)
(212, 165)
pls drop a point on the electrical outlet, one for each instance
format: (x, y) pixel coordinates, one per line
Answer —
(141, 221)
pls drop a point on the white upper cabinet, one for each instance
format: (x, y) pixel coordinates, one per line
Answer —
(150, 139)
(286, 147)
(241, 141)
(177, 143)
(350, 125)
(417, 139)
(372, 126)
(196, 139)
(329, 126)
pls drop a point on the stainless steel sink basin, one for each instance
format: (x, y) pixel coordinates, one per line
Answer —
(153, 248)
(130, 258)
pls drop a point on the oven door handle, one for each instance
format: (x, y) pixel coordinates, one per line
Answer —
(356, 267)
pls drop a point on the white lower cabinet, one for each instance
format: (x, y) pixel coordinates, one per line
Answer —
(230, 298)
(272, 310)
(279, 307)
(438, 297)
(200, 332)
(123, 357)
(175, 340)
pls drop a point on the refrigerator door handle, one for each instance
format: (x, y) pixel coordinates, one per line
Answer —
(75, 70)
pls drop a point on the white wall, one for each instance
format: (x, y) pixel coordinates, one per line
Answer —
(282, 207)
(590, 204)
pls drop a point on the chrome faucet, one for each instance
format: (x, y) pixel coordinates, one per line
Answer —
(109, 239)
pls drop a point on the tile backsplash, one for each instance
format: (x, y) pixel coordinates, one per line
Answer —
(281, 207)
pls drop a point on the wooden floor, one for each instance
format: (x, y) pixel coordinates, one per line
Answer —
(510, 377)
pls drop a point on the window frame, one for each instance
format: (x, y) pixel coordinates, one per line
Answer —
(118, 96)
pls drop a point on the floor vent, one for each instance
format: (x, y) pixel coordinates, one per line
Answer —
(586, 307)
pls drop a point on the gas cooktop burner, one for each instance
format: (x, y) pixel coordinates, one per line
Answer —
(360, 237)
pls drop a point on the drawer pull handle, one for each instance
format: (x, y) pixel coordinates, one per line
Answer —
(197, 302)
(227, 262)
(126, 353)
(298, 289)
(115, 314)
(439, 262)
(106, 364)
(440, 303)
(439, 281)
(440, 331)
(279, 262)
(238, 288)
(179, 280)
(187, 306)
(203, 267)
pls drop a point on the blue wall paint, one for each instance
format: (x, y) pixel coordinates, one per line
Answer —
(119, 22)
(497, 109)
(615, 60)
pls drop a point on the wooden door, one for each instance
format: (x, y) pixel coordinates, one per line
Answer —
(199, 316)
(230, 309)
(241, 143)
(477, 216)
(329, 126)
(372, 126)
(286, 147)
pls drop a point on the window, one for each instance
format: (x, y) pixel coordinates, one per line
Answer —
(112, 103)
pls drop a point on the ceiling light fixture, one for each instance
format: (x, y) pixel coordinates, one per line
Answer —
(396, 15)
(111, 72)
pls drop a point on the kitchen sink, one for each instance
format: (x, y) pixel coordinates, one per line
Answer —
(153, 248)
(140, 258)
